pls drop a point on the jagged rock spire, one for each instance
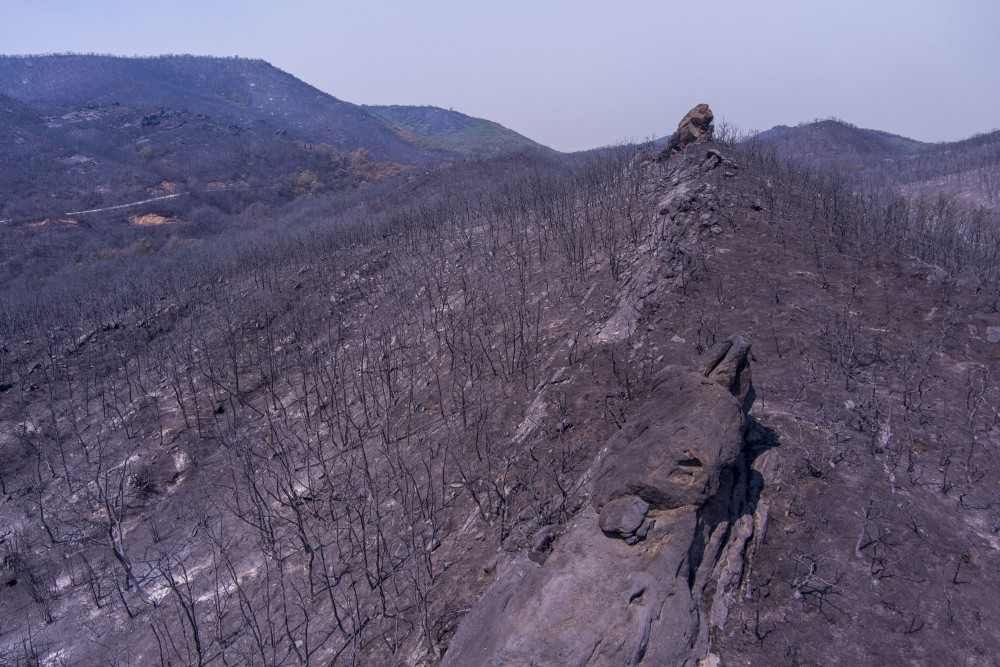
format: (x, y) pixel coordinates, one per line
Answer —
(694, 127)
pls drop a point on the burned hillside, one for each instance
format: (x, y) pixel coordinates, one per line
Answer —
(328, 447)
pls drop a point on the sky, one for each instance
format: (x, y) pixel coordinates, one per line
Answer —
(577, 74)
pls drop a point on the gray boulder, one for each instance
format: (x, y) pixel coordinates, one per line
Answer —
(626, 518)
(673, 452)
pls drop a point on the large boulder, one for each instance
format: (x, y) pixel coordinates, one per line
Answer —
(626, 518)
(673, 452)
(695, 126)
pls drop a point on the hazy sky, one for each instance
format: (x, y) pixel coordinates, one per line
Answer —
(577, 74)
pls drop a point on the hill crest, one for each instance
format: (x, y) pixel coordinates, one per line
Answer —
(834, 137)
(451, 130)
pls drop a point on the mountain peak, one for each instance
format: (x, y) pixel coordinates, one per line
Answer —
(834, 137)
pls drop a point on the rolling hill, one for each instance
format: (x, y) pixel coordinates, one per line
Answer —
(965, 170)
(230, 92)
(96, 147)
(451, 130)
(834, 139)
(84, 132)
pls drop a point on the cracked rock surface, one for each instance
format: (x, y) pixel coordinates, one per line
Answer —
(644, 571)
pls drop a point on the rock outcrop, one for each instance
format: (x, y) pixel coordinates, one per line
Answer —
(641, 573)
(695, 126)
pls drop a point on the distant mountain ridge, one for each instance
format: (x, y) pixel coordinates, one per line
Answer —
(83, 132)
(233, 90)
(832, 140)
(965, 169)
(837, 138)
(451, 130)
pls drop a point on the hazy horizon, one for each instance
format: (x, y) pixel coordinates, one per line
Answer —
(579, 75)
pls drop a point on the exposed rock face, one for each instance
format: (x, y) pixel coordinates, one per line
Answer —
(695, 126)
(728, 365)
(672, 509)
(673, 452)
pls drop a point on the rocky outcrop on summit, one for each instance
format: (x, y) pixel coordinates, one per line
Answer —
(695, 126)
(642, 573)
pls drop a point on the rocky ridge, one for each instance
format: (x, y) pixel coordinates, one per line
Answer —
(646, 571)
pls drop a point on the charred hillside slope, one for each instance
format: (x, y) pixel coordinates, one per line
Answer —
(109, 160)
(967, 170)
(329, 450)
(109, 163)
